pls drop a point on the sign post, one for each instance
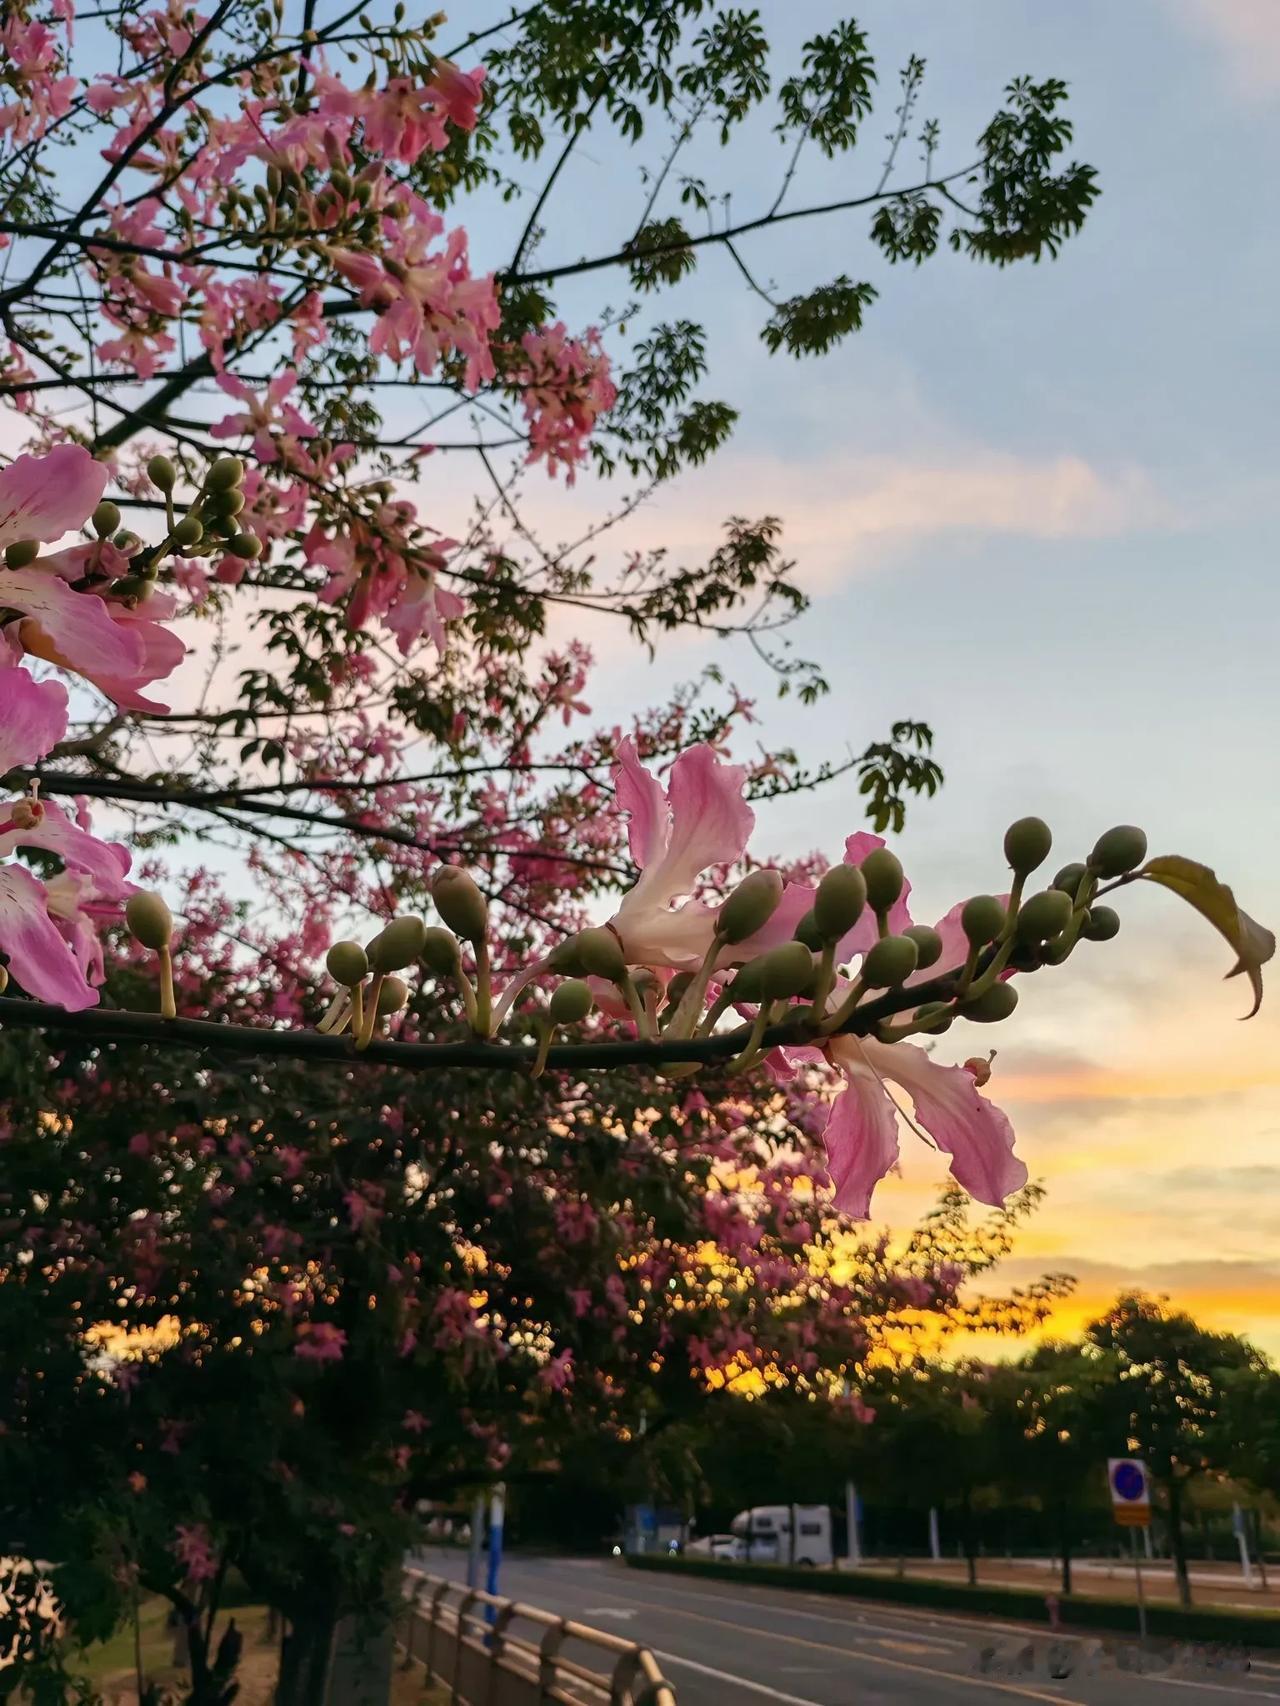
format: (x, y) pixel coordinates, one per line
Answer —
(851, 1518)
(497, 1521)
(1131, 1507)
(1242, 1536)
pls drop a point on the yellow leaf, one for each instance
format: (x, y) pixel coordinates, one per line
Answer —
(1199, 887)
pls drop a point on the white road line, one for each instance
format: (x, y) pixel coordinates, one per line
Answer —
(1213, 1687)
(862, 1613)
(728, 1676)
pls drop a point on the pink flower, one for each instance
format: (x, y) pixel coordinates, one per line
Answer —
(320, 1341)
(558, 1373)
(427, 301)
(33, 718)
(43, 497)
(698, 821)
(118, 648)
(192, 1546)
(565, 384)
(265, 414)
(862, 1130)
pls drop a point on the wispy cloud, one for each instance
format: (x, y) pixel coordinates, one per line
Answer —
(846, 513)
(1232, 1296)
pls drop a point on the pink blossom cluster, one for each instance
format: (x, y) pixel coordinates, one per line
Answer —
(566, 387)
(61, 608)
(33, 72)
(701, 820)
(385, 568)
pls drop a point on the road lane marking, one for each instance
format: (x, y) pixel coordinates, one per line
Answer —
(728, 1676)
(863, 1616)
(1214, 1687)
(986, 1682)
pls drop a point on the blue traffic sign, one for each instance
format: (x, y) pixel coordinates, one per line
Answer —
(1129, 1481)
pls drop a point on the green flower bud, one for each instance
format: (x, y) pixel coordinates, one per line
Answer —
(983, 918)
(1119, 851)
(105, 519)
(889, 962)
(162, 473)
(838, 904)
(347, 963)
(1044, 915)
(150, 921)
(392, 995)
(133, 589)
(439, 951)
(807, 932)
(750, 907)
(226, 472)
(22, 552)
(460, 903)
(246, 546)
(1069, 878)
(564, 957)
(748, 984)
(188, 533)
(230, 502)
(883, 875)
(1102, 924)
(600, 954)
(571, 1001)
(993, 1005)
(928, 944)
(398, 945)
(676, 988)
(935, 1016)
(1027, 844)
(786, 971)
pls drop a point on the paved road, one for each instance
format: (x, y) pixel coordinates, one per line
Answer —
(722, 1644)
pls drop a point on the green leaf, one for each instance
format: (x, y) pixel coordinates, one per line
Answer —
(813, 324)
(1199, 887)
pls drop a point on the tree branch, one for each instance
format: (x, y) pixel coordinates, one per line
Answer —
(104, 1025)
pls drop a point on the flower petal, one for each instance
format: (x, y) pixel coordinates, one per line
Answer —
(43, 497)
(640, 795)
(106, 861)
(861, 1133)
(39, 958)
(710, 820)
(33, 717)
(973, 1131)
(73, 629)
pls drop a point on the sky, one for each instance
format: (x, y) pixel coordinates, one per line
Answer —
(1037, 509)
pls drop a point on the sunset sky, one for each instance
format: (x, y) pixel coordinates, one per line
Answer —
(1038, 509)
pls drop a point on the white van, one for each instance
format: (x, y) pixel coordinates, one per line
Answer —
(786, 1534)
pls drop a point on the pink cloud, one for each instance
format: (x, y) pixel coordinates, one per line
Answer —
(1247, 33)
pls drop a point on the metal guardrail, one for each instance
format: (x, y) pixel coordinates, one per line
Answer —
(489, 1651)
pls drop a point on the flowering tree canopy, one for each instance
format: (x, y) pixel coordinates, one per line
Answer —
(245, 227)
(245, 332)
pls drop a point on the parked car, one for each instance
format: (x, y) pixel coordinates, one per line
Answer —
(717, 1546)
